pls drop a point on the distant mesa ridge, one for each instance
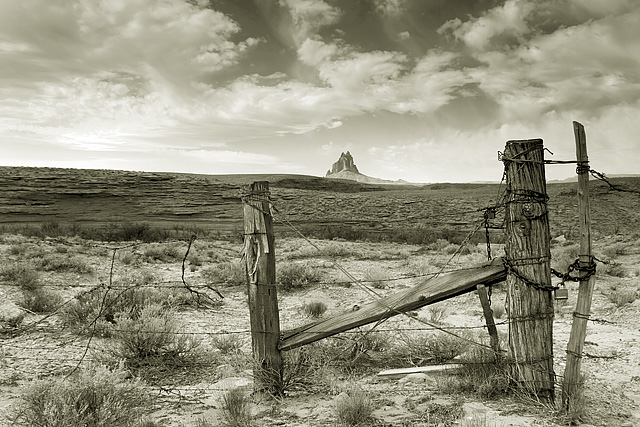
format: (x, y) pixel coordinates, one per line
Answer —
(344, 163)
(345, 168)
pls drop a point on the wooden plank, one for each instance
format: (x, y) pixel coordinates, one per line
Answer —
(488, 317)
(585, 289)
(391, 374)
(430, 291)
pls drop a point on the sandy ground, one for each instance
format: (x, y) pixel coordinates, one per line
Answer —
(611, 361)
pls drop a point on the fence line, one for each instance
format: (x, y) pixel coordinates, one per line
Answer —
(183, 284)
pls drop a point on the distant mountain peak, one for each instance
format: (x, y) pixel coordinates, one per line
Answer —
(344, 163)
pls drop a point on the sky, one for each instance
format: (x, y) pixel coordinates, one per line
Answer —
(419, 90)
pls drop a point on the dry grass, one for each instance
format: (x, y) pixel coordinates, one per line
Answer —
(95, 396)
(354, 408)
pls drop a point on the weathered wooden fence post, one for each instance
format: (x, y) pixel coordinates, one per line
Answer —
(260, 260)
(488, 317)
(585, 290)
(527, 248)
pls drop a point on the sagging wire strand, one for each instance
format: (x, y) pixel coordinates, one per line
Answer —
(375, 296)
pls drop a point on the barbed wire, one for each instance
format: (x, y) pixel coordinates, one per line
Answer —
(183, 284)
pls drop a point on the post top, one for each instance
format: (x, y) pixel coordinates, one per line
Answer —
(525, 141)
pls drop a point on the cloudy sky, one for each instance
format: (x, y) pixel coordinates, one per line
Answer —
(420, 90)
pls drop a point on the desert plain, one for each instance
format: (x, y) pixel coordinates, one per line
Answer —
(98, 265)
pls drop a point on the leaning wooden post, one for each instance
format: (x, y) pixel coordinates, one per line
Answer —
(494, 340)
(260, 259)
(585, 290)
(527, 248)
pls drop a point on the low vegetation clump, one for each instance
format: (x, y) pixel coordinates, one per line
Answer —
(431, 348)
(153, 339)
(294, 276)
(354, 408)
(444, 414)
(621, 296)
(236, 409)
(96, 310)
(227, 344)
(314, 309)
(166, 253)
(563, 256)
(40, 300)
(95, 396)
(615, 269)
(481, 373)
(376, 277)
(225, 273)
(65, 264)
(22, 276)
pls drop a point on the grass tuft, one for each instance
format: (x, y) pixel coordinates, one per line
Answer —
(294, 276)
(354, 408)
(22, 276)
(95, 396)
(314, 309)
(236, 410)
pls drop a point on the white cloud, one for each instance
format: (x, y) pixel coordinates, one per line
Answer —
(554, 72)
(309, 16)
(316, 52)
(390, 7)
(508, 20)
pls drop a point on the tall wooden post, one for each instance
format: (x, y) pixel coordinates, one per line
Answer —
(263, 300)
(528, 255)
(585, 290)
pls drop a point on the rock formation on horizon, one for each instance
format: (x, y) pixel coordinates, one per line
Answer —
(344, 163)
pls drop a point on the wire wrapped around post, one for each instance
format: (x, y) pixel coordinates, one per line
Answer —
(527, 248)
(259, 255)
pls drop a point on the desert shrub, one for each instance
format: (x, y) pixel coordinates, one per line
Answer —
(65, 264)
(229, 273)
(153, 334)
(615, 269)
(376, 276)
(227, 344)
(481, 373)
(129, 258)
(132, 231)
(96, 310)
(479, 420)
(50, 228)
(18, 249)
(622, 296)
(563, 256)
(437, 313)
(293, 276)
(432, 348)
(236, 410)
(95, 397)
(444, 414)
(164, 253)
(21, 275)
(354, 408)
(40, 300)
(314, 308)
(614, 250)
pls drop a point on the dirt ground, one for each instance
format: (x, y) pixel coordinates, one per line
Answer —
(610, 363)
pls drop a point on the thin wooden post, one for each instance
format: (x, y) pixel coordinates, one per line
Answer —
(585, 290)
(261, 278)
(528, 255)
(488, 317)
